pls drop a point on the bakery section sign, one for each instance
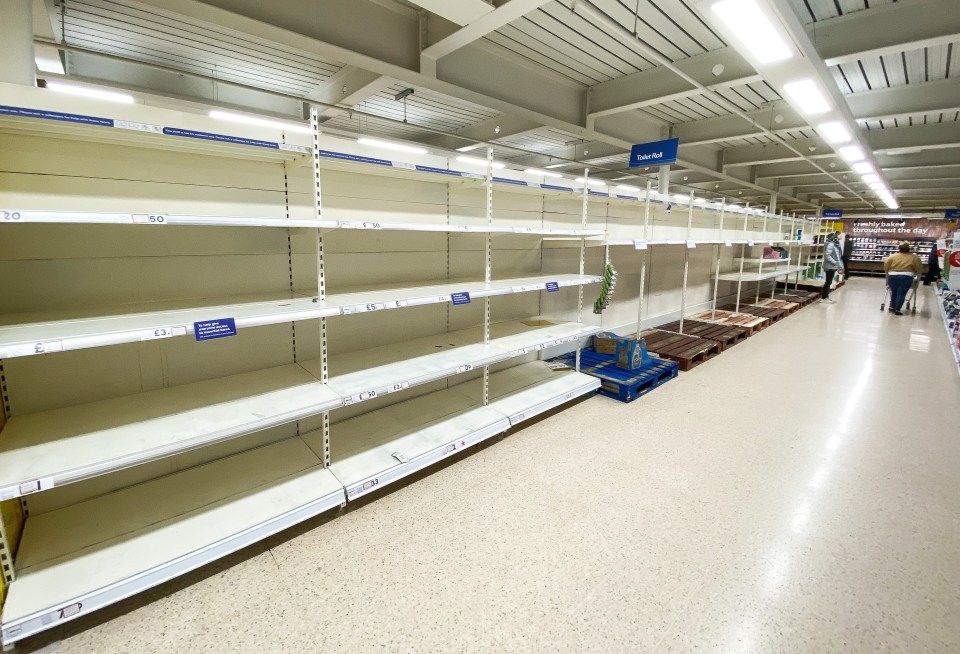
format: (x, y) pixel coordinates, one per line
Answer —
(900, 228)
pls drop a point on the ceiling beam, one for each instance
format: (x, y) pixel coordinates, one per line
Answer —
(349, 86)
(474, 30)
(886, 29)
(461, 12)
(927, 97)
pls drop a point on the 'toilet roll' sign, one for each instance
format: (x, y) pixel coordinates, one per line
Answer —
(655, 153)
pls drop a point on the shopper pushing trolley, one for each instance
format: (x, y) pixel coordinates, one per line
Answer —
(903, 271)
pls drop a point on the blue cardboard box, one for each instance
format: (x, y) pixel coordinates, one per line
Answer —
(632, 353)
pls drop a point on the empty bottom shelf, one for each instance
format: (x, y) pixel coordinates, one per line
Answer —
(83, 557)
(86, 556)
(383, 446)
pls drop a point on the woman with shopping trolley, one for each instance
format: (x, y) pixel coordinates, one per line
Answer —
(902, 268)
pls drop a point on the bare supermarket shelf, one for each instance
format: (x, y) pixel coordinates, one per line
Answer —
(83, 557)
(367, 374)
(760, 276)
(51, 448)
(157, 219)
(383, 446)
(64, 334)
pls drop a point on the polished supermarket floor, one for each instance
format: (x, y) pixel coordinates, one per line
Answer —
(800, 493)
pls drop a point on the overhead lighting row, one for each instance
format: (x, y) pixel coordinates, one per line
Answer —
(290, 126)
(759, 36)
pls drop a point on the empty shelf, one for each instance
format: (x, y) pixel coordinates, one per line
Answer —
(362, 375)
(83, 557)
(159, 219)
(388, 444)
(760, 276)
(46, 449)
(79, 333)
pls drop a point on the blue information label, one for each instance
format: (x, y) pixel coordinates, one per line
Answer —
(460, 298)
(655, 153)
(222, 138)
(219, 328)
(553, 287)
(24, 112)
(833, 213)
(952, 213)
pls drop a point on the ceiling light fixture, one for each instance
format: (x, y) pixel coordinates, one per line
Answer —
(558, 165)
(871, 178)
(541, 173)
(88, 92)
(595, 182)
(388, 145)
(259, 121)
(475, 161)
(747, 22)
(807, 97)
(851, 153)
(834, 131)
(863, 168)
(467, 148)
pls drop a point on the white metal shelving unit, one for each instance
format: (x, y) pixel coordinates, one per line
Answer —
(360, 332)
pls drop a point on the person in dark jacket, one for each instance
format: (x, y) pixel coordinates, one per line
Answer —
(933, 267)
(832, 262)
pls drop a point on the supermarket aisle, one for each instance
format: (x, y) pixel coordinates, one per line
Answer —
(797, 494)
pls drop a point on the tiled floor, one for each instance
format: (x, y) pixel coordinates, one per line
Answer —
(800, 493)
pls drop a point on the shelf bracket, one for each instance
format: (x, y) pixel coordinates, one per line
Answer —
(487, 269)
(583, 254)
(321, 279)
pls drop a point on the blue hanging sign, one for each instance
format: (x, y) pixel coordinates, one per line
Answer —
(833, 213)
(553, 287)
(460, 298)
(952, 213)
(655, 153)
(219, 328)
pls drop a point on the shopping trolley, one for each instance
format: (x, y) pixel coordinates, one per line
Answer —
(911, 298)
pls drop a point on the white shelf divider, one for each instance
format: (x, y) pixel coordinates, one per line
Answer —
(83, 557)
(74, 334)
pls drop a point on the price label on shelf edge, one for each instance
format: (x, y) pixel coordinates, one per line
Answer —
(46, 347)
(467, 367)
(163, 332)
(10, 216)
(150, 219)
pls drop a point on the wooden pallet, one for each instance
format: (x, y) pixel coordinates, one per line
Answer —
(620, 384)
(803, 298)
(771, 303)
(773, 314)
(726, 335)
(688, 351)
(751, 323)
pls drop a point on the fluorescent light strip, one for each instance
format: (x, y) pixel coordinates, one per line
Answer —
(388, 145)
(851, 153)
(558, 165)
(863, 168)
(753, 29)
(834, 132)
(628, 188)
(475, 161)
(88, 92)
(595, 182)
(467, 148)
(260, 121)
(542, 173)
(807, 97)
(870, 178)
(878, 186)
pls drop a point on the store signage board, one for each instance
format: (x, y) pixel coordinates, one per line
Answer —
(833, 213)
(897, 228)
(654, 153)
(219, 328)
(952, 213)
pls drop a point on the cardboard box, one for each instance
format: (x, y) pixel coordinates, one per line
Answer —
(605, 343)
(632, 353)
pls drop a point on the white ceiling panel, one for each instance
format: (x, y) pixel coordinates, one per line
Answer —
(145, 33)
